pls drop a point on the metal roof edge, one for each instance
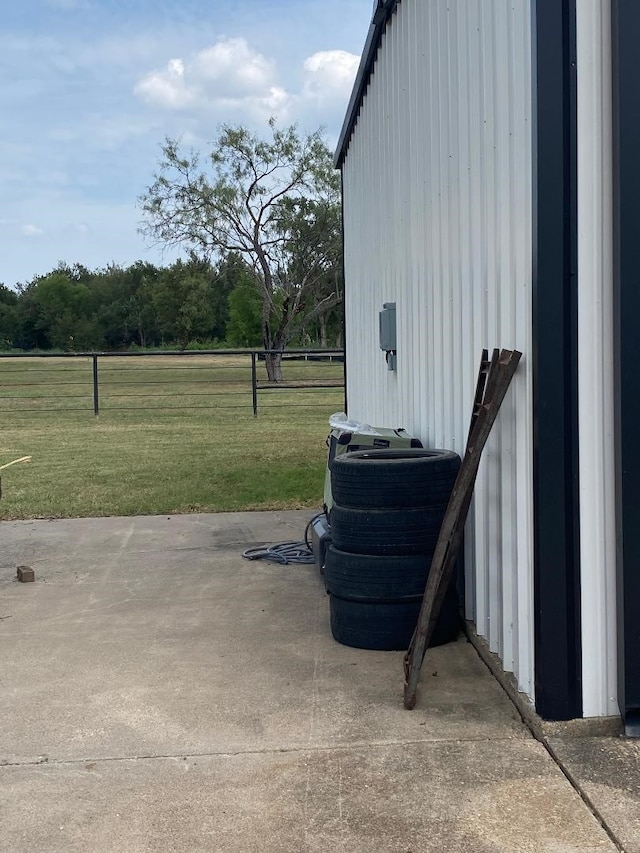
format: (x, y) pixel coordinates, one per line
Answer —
(381, 14)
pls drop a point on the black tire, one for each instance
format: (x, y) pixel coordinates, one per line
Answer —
(385, 531)
(369, 576)
(385, 627)
(379, 479)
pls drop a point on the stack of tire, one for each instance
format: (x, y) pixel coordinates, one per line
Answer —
(388, 507)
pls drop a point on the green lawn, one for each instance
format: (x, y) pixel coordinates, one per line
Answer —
(205, 453)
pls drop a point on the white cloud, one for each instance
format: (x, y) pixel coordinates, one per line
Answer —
(30, 230)
(233, 66)
(228, 74)
(230, 80)
(329, 75)
(166, 88)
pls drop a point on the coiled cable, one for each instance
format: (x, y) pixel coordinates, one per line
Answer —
(285, 552)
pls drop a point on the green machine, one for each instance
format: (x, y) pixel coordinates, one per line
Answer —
(346, 436)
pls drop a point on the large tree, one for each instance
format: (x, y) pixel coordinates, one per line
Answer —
(182, 300)
(244, 303)
(8, 317)
(55, 310)
(314, 229)
(266, 200)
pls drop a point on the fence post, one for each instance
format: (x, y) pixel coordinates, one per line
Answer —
(254, 384)
(96, 399)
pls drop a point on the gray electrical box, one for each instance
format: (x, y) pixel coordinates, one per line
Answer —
(388, 333)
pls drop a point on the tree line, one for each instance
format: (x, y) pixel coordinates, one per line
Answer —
(191, 302)
(260, 222)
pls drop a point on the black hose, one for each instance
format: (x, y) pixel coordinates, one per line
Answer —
(285, 552)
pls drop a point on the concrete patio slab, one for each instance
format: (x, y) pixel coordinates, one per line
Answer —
(455, 797)
(607, 771)
(158, 692)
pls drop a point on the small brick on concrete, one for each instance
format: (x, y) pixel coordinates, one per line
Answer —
(25, 574)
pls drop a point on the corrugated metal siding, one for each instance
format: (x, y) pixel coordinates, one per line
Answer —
(438, 218)
(595, 343)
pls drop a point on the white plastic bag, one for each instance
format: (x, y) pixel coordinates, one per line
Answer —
(339, 420)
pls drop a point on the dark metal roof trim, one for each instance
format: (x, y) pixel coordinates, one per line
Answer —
(626, 134)
(556, 485)
(383, 10)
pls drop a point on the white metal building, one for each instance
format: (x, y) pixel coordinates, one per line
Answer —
(488, 191)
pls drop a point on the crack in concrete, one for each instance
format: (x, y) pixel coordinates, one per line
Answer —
(538, 735)
(283, 750)
(577, 787)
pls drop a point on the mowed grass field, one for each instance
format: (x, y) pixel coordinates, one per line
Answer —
(174, 435)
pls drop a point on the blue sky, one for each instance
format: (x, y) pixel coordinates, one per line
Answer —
(90, 89)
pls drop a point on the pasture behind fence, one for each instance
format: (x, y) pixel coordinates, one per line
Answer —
(170, 380)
